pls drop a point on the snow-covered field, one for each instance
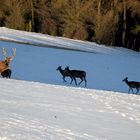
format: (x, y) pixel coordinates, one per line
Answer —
(38, 105)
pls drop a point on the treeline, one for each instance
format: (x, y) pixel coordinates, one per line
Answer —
(110, 22)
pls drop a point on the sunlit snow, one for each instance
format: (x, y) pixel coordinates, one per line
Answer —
(37, 105)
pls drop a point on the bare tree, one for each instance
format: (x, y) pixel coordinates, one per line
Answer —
(13, 14)
(73, 15)
(124, 23)
(29, 13)
(105, 23)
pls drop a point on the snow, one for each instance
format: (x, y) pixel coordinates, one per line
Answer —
(37, 105)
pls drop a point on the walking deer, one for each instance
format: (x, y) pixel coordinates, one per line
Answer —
(76, 74)
(63, 73)
(131, 85)
(4, 64)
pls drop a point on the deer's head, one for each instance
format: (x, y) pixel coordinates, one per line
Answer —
(6, 58)
(125, 79)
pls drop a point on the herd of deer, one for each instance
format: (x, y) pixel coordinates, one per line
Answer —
(73, 74)
(6, 72)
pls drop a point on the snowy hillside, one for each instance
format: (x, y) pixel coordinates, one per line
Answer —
(34, 111)
(37, 105)
(106, 67)
(56, 42)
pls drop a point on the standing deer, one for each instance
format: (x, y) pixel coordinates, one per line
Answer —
(132, 84)
(6, 73)
(4, 65)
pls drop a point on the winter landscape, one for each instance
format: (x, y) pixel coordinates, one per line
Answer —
(36, 104)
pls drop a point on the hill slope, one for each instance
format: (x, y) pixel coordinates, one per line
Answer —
(35, 111)
(105, 66)
(59, 111)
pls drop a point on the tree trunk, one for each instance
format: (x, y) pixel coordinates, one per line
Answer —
(32, 15)
(99, 19)
(124, 23)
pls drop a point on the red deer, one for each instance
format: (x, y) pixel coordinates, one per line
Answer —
(4, 64)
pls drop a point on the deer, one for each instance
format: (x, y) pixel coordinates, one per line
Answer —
(5, 64)
(76, 74)
(131, 85)
(63, 73)
(6, 73)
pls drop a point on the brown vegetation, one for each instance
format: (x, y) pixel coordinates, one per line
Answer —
(110, 22)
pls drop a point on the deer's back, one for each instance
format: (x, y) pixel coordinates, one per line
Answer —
(134, 84)
(78, 73)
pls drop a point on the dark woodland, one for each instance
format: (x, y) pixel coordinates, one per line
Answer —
(109, 22)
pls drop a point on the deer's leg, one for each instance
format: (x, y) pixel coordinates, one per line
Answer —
(71, 80)
(137, 90)
(85, 82)
(81, 81)
(75, 81)
(132, 90)
(64, 79)
(129, 90)
(9, 74)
